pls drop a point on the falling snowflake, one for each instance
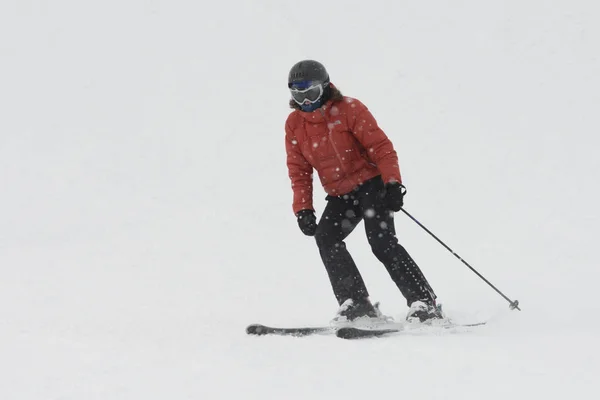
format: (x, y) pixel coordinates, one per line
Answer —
(369, 213)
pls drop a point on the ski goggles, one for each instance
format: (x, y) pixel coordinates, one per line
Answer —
(308, 92)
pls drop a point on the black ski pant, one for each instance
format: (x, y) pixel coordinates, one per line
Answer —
(341, 215)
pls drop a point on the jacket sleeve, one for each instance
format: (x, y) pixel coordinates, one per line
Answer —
(300, 173)
(378, 146)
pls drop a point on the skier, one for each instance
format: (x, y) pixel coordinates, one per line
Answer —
(358, 167)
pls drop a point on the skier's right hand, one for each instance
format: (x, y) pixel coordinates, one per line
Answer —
(307, 221)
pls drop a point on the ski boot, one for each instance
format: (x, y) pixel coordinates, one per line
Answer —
(422, 311)
(359, 313)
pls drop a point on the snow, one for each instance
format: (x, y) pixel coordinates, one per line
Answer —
(145, 216)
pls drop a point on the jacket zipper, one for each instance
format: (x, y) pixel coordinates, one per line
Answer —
(337, 153)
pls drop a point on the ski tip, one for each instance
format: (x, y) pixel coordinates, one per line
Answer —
(256, 329)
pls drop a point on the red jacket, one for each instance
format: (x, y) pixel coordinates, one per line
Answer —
(343, 143)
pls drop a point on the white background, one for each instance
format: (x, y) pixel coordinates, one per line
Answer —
(145, 208)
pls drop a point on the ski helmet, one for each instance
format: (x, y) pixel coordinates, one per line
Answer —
(307, 70)
(308, 81)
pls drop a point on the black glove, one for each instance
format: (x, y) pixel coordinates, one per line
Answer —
(394, 195)
(307, 221)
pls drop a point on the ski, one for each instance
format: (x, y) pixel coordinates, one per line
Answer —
(260, 330)
(352, 332)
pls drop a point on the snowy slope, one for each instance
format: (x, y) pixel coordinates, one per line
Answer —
(145, 215)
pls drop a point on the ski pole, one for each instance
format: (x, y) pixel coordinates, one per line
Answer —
(513, 304)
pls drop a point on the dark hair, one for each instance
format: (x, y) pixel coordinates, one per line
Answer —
(334, 94)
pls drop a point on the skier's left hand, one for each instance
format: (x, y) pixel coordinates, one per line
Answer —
(394, 195)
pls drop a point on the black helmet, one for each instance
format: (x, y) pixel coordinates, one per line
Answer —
(308, 82)
(308, 70)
